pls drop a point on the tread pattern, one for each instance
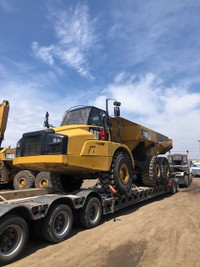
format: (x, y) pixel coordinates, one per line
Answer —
(147, 174)
(107, 178)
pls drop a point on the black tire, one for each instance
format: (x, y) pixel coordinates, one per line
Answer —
(152, 175)
(120, 175)
(57, 225)
(13, 238)
(186, 181)
(90, 214)
(70, 184)
(43, 179)
(173, 187)
(56, 182)
(165, 170)
(23, 180)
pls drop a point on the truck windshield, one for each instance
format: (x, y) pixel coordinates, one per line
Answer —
(77, 116)
(84, 115)
(196, 165)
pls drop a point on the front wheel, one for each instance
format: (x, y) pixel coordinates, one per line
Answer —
(120, 175)
(13, 238)
(57, 225)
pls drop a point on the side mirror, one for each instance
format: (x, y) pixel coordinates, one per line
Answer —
(116, 111)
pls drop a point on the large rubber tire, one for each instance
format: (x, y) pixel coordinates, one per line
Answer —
(62, 183)
(23, 180)
(165, 170)
(43, 179)
(57, 225)
(13, 238)
(70, 183)
(90, 214)
(120, 175)
(151, 175)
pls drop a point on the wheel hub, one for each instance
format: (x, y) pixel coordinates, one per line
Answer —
(124, 174)
(22, 182)
(44, 182)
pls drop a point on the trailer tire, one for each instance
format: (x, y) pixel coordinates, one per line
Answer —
(57, 225)
(120, 175)
(13, 238)
(90, 214)
(23, 180)
(43, 179)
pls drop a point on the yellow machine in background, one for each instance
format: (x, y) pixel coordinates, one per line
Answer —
(91, 144)
(7, 170)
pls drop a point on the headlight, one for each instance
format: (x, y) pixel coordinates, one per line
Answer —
(10, 156)
(56, 140)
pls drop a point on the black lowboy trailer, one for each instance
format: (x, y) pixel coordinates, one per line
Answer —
(51, 215)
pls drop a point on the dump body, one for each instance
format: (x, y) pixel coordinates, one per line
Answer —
(133, 134)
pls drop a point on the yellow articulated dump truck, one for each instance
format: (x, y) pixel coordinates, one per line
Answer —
(7, 170)
(90, 144)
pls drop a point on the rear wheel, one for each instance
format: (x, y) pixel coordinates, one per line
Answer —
(165, 170)
(90, 214)
(151, 175)
(23, 180)
(120, 175)
(43, 179)
(58, 223)
(13, 238)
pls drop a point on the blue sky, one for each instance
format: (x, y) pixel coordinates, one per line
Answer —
(57, 54)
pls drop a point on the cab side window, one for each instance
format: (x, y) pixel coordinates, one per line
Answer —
(95, 117)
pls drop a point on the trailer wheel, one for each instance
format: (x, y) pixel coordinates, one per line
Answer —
(13, 238)
(165, 170)
(90, 214)
(57, 225)
(23, 180)
(43, 179)
(120, 175)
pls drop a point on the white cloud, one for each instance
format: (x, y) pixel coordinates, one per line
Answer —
(44, 53)
(76, 36)
(173, 111)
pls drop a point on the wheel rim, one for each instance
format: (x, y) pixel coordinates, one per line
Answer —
(94, 212)
(124, 174)
(44, 182)
(22, 182)
(61, 223)
(158, 172)
(10, 240)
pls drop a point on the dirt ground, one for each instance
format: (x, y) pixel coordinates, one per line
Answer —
(160, 232)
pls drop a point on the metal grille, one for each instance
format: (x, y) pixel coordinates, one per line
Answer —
(32, 146)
